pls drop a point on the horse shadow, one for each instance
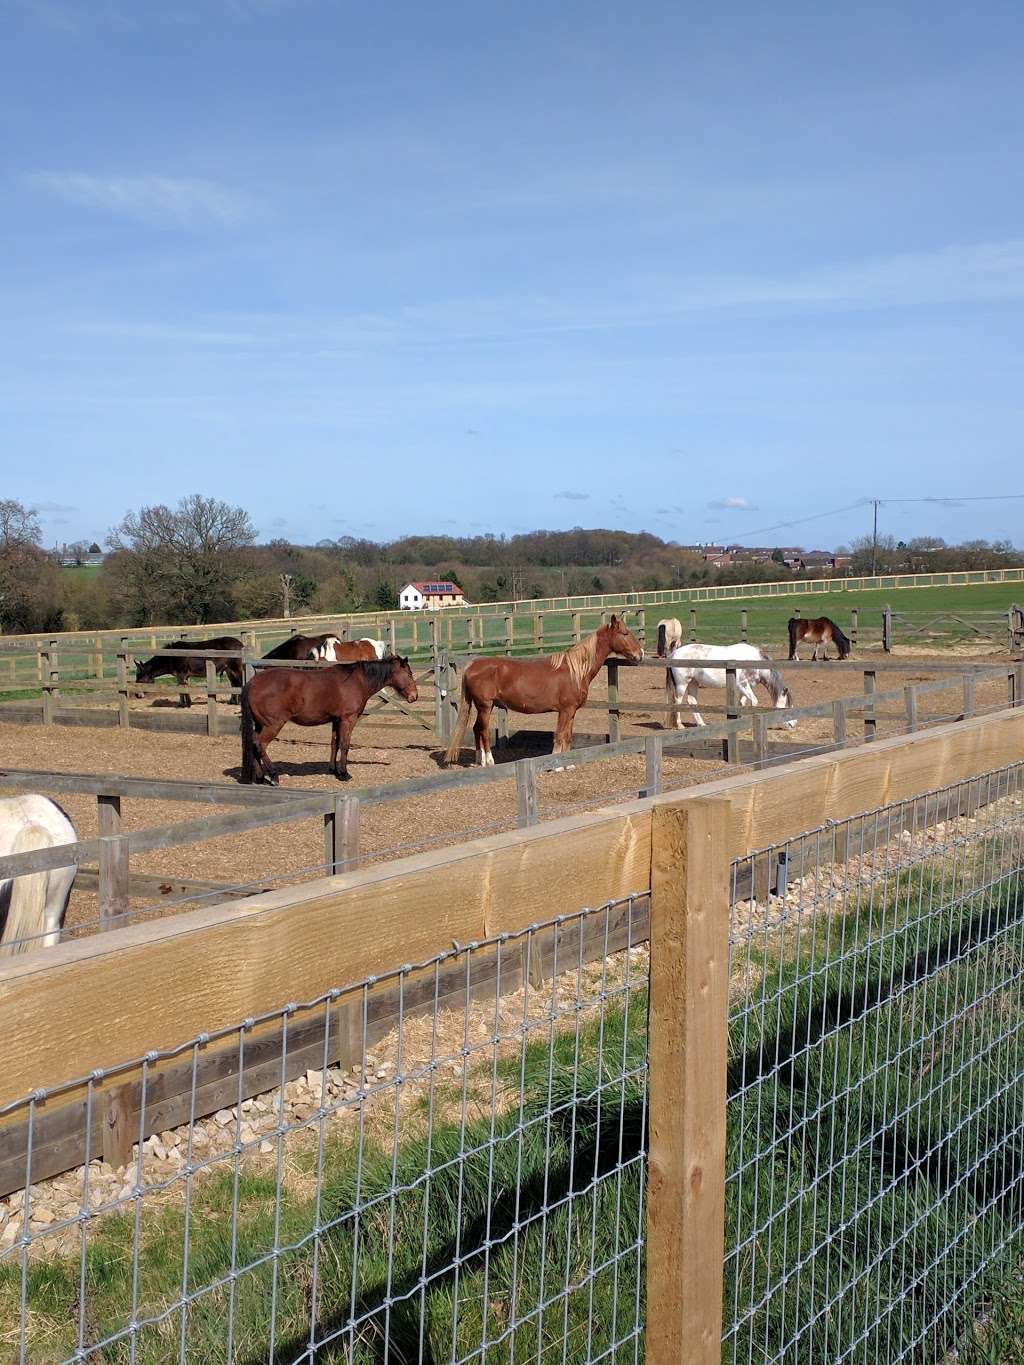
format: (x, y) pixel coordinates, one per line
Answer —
(314, 768)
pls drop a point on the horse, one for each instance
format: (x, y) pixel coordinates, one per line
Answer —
(555, 682)
(681, 684)
(33, 906)
(192, 667)
(313, 697)
(330, 648)
(817, 631)
(670, 635)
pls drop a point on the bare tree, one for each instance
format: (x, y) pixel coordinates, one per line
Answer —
(182, 563)
(29, 593)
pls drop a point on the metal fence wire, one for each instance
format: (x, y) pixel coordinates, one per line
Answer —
(446, 1163)
(875, 1146)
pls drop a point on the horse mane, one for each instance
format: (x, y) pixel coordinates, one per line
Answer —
(375, 671)
(580, 660)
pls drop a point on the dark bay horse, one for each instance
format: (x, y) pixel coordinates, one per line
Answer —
(194, 666)
(818, 631)
(559, 682)
(329, 647)
(313, 697)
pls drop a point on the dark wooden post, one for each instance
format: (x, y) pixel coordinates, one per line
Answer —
(853, 625)
(693, 625)
(123, 716)
(118, 1129)
(731, 745)
(510, 631)
(887, 629)
(613, 702)
(870, 723)
(212, 714)
(341, 835)
(743, 624)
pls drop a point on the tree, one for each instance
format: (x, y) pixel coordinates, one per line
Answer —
(29, 580)
(182, 565)
(94, 549)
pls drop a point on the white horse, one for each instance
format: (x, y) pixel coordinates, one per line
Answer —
(670, 635)
(32, 906)
(681, 684)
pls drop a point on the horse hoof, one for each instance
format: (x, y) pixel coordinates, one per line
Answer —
(343, 777)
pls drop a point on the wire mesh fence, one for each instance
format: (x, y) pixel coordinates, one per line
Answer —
(876, 1082)
(443, 1163)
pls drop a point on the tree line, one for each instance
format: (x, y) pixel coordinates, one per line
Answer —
(200, 562)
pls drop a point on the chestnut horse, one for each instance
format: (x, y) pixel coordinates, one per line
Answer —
(329, 647)
(670, 636)
(818, 632)
(314, 696)
(557, 682)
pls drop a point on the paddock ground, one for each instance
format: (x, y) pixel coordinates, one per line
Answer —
(384, 753)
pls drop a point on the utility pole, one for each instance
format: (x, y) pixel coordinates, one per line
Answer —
(874, 538)
(286, 592)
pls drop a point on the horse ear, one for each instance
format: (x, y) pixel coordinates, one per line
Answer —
(613, 620)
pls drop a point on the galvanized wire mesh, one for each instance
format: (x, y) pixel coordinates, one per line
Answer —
(443, 1163)
(876, 1083)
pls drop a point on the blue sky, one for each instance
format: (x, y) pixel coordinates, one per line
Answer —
(454, 267)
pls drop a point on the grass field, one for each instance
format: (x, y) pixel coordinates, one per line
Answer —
(909, 1102)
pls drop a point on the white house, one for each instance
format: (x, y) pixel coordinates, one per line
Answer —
(430, 596)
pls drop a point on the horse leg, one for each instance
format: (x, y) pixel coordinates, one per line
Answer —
(482, 732)
(690, 696)
(262, 736)
(563, 736)
(335, 737)
(183, 696)
(345, 727)
(674, 696)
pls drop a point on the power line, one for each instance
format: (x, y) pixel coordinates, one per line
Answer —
(880, 502)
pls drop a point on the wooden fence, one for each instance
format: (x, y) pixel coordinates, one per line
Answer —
(742, 737)
(84, 1009)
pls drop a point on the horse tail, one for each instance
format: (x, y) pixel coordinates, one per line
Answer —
(792, 636)
(26, 913)
(455, 743)
(247, 737)
(842, 641)
(662, 640)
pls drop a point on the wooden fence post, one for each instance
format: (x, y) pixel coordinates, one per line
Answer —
(575, 627)
(47, 685)
(853, 625)
(1011, 688)
(641, 626)
(341, 835)
(392, 633)
(510, 631)
(613, 702)
(887, 629)
(759, 737)
(113, 877)
(968, 706)
(526, 794)
(654, 748)
(693, 625)
(212, 714)
(118, 1131)
(538, 632)
(910, 693)
(744, 634)
(689, 1001)
(731, 743)
(123, 710)
(870, 723)
(839, 723)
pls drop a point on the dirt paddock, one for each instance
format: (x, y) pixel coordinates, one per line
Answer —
(389, 752)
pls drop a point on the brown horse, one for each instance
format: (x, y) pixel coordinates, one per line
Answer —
(181, 669)
(558, 682)
(314, 697)
(328, 647)
(817, 632)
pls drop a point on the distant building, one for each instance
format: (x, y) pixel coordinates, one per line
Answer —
(429, 596)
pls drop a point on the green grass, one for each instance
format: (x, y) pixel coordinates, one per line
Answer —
(899, 1065)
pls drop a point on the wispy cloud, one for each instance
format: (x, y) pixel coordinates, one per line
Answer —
(278, 522)
(734, 504)
(49, 509)
(158, 199)
(570, 496)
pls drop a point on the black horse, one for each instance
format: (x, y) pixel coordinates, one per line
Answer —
(182, 668)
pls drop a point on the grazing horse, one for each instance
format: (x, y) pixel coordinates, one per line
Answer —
(557, 682)
(32, 907)
(681, 684)
(818, 632)
(330, 648)
(314, 697)
(181, 669)
(670, 635)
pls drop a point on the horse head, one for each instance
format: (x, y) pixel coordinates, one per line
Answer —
(144, 673)
(623, 641)
(401, 679)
